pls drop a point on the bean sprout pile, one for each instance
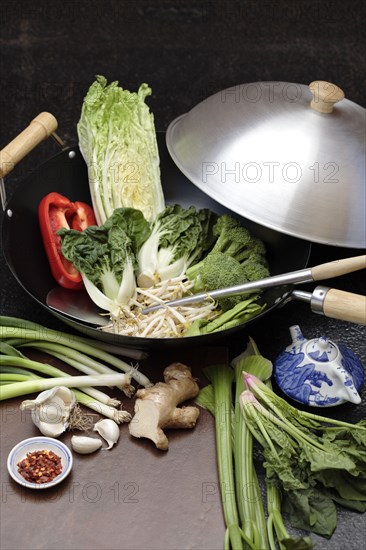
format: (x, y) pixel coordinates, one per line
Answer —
(166, 322)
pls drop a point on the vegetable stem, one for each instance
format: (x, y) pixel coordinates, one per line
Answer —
(222, 378)
(250, 505)
(22, 388)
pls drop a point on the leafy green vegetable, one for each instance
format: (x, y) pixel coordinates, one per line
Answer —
(236, 257)
(316, 461)
(118, 142)
(216, 398)
(239, 314)
(105, 257)
(179, 237)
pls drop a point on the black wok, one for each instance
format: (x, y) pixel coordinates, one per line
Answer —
(66, 173)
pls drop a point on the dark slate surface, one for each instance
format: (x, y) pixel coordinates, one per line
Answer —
(185, 50)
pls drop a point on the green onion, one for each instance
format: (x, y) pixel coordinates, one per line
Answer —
(101, 408)
(22, 388)
(84, 354)
(7, 365)
(19, 331)
(10, 377)
(95, 400)
(23, 324)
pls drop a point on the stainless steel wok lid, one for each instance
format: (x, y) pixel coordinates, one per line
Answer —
(288, 156)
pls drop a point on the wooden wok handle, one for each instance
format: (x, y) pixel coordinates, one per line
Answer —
(338, 267)
(39, 129)
(325, 95)
(345, 306)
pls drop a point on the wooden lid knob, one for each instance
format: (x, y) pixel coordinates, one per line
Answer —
(325, 95)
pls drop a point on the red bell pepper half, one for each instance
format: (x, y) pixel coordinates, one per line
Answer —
(83, 217)
(54, 212)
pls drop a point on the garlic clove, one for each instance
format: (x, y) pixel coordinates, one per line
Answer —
(50, 430)
(109, 430)
(51, 410)
(85, 445)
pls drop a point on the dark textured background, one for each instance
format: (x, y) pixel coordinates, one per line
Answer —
(185, 50)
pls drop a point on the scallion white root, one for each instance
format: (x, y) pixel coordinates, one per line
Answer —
(118, 416)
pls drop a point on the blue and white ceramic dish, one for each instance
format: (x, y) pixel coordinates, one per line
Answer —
(20, 451)
(318, 372)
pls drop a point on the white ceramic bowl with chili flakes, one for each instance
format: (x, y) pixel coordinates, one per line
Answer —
(39, 452)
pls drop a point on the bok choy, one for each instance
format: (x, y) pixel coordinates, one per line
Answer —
(106, 257)
(179, 238)
(118, 142)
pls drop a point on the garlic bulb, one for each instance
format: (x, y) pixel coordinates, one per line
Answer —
(109, 430)
(85, 445)
(51, 410)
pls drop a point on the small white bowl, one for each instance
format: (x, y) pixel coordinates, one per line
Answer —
(20, 451)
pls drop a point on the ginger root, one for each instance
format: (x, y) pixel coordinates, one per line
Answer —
(156, 407)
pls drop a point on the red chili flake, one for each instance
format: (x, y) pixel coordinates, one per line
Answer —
(40, 466)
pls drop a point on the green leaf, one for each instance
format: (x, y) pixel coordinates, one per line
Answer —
(178, 238)
(347, 486)
(355, 505)
(133, 223)
(7, 349)
(331, 458)
(256, 364)
(311, 510)
(350, 436)
(297, 543)
(283, 470)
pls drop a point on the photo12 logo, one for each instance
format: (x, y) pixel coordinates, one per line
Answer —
(89, 492)
(268, 172)
(269, 92)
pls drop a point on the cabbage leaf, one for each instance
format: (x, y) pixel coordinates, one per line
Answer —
(118, 142)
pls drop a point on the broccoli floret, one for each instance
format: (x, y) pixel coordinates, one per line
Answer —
(232, 238)
(235, 240)
(256, 247)
(255, 267)
(236, 257)
(220, 270)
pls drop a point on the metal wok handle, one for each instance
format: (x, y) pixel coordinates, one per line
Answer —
(39, 129)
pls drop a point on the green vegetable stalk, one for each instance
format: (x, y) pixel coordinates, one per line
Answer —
(221, 379)
(249, 499)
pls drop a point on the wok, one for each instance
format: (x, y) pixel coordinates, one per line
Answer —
(66, 173)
